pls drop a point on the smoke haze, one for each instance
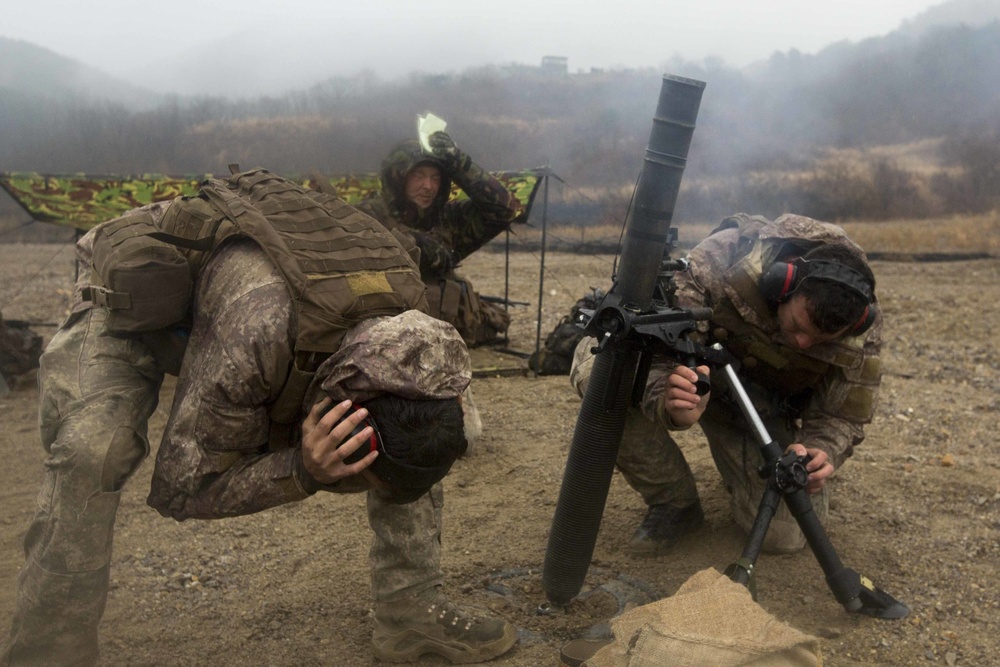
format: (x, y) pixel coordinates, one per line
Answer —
(255, 48)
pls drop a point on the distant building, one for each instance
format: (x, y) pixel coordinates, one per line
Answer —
(555, 65)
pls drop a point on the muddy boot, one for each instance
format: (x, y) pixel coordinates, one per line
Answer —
(663, 526)
(429, 623)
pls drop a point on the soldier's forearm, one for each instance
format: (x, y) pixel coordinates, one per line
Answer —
(486, 192)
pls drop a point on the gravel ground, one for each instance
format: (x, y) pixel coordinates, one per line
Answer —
(917, 509)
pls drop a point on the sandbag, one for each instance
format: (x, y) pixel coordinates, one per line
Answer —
(710, 621)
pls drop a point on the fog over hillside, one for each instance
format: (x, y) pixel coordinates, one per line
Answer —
(905, 114)
(249, 49)
(33, 71)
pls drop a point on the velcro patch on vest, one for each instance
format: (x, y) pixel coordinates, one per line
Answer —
(859, 405)
(871, 370)
(769, 356)
(848, 359)
(374, 282)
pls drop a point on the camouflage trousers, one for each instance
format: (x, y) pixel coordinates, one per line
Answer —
(97, 394)
(654, 465)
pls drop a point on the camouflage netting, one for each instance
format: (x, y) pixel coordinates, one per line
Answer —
(84, 200)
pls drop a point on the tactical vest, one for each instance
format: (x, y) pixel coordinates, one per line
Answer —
(341, 266)
(738, 317)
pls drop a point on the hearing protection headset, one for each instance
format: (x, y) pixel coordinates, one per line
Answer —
(408, 482)
(780, 280)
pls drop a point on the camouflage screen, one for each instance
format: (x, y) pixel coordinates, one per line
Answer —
(84, 200)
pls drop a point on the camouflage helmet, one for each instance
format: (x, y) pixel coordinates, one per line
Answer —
(411, 355)
(398, 163)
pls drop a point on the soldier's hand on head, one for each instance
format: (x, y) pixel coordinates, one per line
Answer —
(324, 447)
(443, 147)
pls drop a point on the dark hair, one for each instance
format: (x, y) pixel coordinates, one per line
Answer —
(423, 433)
(832, 305)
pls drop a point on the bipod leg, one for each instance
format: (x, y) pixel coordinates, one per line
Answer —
(855, 592)
(742, 571)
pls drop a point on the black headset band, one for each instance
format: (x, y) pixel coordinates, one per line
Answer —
(409, 482)
(834, 272)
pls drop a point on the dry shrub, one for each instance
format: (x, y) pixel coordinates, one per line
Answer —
(955, 234)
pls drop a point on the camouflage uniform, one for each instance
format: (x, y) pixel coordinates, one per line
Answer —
(98, 391)
(821, 397)
(447, 232)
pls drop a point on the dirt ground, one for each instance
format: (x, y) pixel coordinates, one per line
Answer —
(917, 509)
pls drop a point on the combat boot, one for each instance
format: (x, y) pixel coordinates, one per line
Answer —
(662, 527)
(430, 623)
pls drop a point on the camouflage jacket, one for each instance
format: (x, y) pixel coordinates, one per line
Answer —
(222, 452)
(214, 460)
(831, 387)
(450, 230)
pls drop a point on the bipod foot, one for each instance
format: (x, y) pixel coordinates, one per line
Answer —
(860, 596)
(877, 603)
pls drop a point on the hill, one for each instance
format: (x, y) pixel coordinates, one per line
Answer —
(33, 75)
(972, 13)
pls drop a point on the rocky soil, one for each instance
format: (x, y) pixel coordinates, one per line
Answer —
(917, 509)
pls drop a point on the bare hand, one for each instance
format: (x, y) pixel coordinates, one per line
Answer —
(819, 467)
(681, 400)
(323, 446)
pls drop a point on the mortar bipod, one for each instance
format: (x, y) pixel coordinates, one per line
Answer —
(786, 479)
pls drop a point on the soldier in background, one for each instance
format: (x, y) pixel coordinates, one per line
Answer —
(793, 300)
(416, 187)
(252, 425)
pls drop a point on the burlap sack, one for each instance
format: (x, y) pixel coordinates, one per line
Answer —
(710, 622)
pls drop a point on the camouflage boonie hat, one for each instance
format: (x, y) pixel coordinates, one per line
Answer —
(411, 355)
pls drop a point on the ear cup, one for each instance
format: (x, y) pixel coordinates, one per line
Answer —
(866, 321)
(777, 282)
(363, 450)
(780, 280)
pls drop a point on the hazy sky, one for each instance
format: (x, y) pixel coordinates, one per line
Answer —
(393, 37)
